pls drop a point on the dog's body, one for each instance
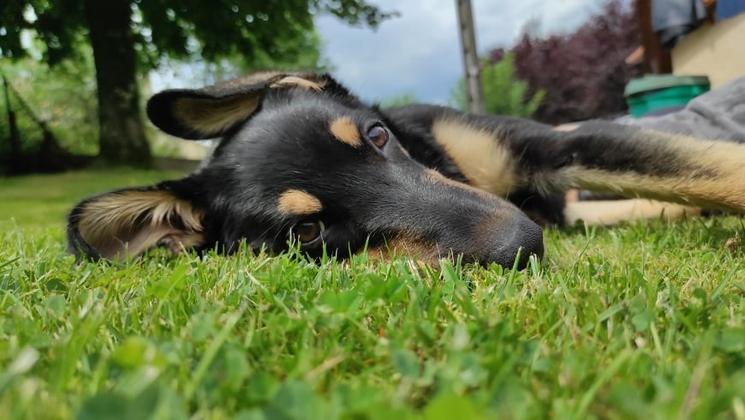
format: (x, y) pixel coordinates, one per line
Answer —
(302, 159)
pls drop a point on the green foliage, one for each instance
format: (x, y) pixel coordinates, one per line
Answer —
(262, 32)
(645, 320)
(60, 95)
(504, 93)
(235, 35)
(400, 100)
(198, 72)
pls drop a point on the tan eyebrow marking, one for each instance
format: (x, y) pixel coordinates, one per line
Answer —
(298, 203)
(345, 130)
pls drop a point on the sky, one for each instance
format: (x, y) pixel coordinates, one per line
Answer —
(418, 53)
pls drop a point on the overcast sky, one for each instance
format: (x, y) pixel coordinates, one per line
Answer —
(418, 53)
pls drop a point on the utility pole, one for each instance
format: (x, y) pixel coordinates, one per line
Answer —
(474, 93)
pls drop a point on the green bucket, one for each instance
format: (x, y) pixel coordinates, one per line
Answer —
(654, 93)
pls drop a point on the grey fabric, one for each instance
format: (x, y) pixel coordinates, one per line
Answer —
(669, 13)
(673, 19)
(718, 114)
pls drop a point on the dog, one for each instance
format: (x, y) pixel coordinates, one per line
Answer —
(303, 162)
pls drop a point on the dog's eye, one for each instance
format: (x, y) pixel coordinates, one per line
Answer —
(378, 135)
(308, 232)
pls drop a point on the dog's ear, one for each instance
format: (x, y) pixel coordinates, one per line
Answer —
(124, 223)
(214, 110)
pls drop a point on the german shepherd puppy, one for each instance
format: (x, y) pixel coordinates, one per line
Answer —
(303, 161)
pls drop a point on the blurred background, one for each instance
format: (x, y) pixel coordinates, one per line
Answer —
(76, 73)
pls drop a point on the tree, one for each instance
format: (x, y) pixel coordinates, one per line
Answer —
(60, 96)
(504, 93)
(583, 74)
(128, 37)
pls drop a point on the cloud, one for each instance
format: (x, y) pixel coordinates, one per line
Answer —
(419, 53)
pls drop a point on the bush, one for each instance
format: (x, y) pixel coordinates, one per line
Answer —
(583, 74)
(504, 93)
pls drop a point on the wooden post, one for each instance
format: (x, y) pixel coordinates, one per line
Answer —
(474, 93)
(656, 59)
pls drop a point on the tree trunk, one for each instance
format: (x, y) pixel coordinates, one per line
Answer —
(121, 133)
(15, 141)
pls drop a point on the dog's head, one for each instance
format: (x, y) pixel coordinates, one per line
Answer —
(301, 161)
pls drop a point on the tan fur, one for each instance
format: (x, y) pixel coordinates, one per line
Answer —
(566, 127)
(249, 79)
(411, 247)
(727, 160)
(181, 241)
(298, 203)
(437, 177)
(268, 76)
(213, 116)
(479, 155)
(291, 81)
(616, 211)
(719, 181)
(345, 130)
(123, 225)
(725, 192)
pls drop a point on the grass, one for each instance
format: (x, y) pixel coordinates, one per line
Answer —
(642, 320)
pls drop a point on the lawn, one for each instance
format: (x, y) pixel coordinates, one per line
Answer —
(643, 320)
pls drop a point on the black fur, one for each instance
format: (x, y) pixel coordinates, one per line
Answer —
(373, 196)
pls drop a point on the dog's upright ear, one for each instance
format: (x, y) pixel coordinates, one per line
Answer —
(214, 110)
(125, 223)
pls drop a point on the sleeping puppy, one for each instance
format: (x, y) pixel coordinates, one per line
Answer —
(302, 162)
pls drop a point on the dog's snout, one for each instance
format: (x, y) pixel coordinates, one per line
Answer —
(448, 218)
(499, 232)
(511, 244)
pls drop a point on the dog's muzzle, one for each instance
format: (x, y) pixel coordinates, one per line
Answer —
(433, 217)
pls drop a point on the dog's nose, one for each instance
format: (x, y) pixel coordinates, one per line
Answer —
(513, 245)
